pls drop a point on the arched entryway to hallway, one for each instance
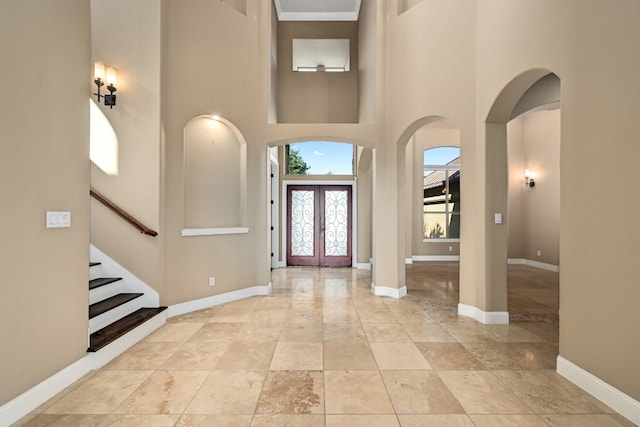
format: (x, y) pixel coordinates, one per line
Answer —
(352, 179)
(522, 172)
(430, 150)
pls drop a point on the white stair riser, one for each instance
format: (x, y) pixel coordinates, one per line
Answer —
(106, 291)
(115, 314)
(109, 268)
(95, 272)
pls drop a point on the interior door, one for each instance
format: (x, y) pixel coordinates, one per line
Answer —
(319, 225)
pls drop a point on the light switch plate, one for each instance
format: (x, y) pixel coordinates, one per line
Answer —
(58, 219)
(498, 218)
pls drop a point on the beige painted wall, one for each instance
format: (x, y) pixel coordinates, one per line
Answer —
(534, 213)
(599, 289)
(272, 112)
(585, 43)
(364, 163)
(319, 97)
(517, 216)
(134, 49)
(205, 74)
(524, 56)
(428, 80)
(44, 152)
(370, 61)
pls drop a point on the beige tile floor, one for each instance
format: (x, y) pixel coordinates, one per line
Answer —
(323, 351)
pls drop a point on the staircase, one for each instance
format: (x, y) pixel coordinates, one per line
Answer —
(122, 309)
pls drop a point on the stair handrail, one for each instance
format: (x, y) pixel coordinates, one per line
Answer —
(122, 213)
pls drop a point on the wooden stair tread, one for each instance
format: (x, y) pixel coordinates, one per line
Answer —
(117, 329)
(105, 305)
(101, 281)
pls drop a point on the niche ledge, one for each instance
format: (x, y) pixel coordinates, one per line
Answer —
(214, 231)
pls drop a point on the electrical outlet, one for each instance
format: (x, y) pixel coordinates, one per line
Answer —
(539, 253)
(450, 248)
(212, 281)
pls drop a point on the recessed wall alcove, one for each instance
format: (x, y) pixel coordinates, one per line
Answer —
(215, 182)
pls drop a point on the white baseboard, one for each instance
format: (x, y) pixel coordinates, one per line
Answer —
(532, 263)
(386, 291)
(20, 406)
(214, 231)
(23, 404)
(436, 258)
(609, 395)
(363, 266)
(408, 261)
(202, 303)
(485, 317)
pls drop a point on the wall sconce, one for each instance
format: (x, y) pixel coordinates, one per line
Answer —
(111, 79)
(530, 177)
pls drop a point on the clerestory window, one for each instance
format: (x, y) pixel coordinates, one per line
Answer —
(319, 158)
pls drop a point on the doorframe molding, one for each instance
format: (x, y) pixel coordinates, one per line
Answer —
(275, 222)
(354, 212)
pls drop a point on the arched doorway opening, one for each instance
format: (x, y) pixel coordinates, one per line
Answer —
(303, 169)
(513, 199)
(533, 220)
(432, 200)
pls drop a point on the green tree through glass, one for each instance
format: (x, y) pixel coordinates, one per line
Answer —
(296, 166)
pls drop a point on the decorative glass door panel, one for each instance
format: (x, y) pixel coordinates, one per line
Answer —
(302, 223)
(319, 225)
(335, 223)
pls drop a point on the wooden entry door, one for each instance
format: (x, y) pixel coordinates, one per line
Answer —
(319, 225)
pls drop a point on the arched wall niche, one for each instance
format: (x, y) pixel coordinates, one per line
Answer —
(215, 178)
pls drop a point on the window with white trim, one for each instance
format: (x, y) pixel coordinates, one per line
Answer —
(441, 193)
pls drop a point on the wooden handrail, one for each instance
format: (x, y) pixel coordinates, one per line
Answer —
(122, 214)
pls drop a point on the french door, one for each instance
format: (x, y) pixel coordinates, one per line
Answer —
(319, 225)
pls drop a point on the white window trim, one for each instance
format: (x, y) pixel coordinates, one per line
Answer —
(445, 240)
(453, 167)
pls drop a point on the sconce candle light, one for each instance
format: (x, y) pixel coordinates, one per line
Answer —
(530, 177)
(111, 79)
